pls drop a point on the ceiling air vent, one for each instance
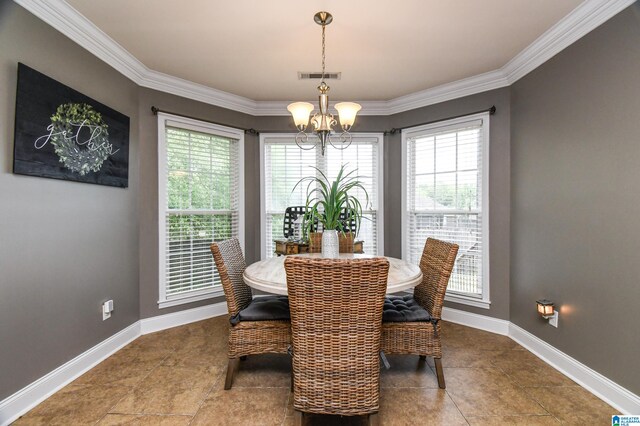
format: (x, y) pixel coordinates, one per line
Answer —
(318, 75)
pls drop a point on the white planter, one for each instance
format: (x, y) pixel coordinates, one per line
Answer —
(330, 245)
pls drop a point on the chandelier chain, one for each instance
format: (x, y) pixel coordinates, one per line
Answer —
(323, 26)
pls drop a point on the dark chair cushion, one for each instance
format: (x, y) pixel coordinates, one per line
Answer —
(403, 309)
(267, 308)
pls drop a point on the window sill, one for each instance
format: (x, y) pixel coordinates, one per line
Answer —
(466, 300)
(189, 298)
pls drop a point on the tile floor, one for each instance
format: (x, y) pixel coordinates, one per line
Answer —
(176, 377)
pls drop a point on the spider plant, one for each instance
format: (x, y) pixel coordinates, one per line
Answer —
(327, 200)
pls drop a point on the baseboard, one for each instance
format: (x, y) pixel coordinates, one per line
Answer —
(482, 322)
(25, 399)
(613, 394)
(162, 322)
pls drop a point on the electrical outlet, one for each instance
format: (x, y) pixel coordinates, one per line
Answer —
(107, 308)
(553, 321)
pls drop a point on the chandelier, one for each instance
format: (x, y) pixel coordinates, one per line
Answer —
(323, 122)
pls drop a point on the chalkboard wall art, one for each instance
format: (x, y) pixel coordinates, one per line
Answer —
(62, 134)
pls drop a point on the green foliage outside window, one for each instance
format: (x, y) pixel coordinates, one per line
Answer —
(199, 180)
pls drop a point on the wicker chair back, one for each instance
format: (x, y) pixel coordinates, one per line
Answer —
(438, 258)
(336, 319)
(229, 260)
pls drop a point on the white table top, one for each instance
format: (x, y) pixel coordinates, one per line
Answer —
(269, 275)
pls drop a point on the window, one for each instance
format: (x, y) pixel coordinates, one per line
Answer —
(284, 164)
(445, 196)
(200, 185)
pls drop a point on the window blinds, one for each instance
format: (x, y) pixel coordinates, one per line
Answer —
(202, 206)
(444, 198)
(362, 155)
(285, 164)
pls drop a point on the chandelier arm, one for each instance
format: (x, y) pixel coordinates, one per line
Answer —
(303, 137)
(316, 119)
(344, 138)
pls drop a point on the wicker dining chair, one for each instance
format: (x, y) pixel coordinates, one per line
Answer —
(336, 319)
(411, 324)
(256, 326)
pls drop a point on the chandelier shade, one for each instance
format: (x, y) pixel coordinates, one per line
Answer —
(324, 122)
(347, 112)
(300, 112)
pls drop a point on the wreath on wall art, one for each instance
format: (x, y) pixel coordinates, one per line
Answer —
(63, 134)
(80, 137)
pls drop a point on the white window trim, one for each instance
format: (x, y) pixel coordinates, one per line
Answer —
(379, 213)
(485, 301)
(164, 119)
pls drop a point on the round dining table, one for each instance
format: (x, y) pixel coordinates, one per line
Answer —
(269, 275)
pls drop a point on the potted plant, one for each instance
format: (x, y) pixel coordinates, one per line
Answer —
(331, 204)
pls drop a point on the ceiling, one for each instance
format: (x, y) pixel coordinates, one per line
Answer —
(384, 49)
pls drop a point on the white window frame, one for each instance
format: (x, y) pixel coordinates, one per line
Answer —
(485, 301)
(379, 212)
(164, 120)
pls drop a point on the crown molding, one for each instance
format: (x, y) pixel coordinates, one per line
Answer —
(64, 18)
(198, 92)
(446, 92)
(583, 19)
(274, 108)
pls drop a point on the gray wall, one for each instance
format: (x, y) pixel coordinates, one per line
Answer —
(575, 236)
(499, 187)
(65, 247)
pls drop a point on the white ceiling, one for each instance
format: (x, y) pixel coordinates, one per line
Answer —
(384, 49)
